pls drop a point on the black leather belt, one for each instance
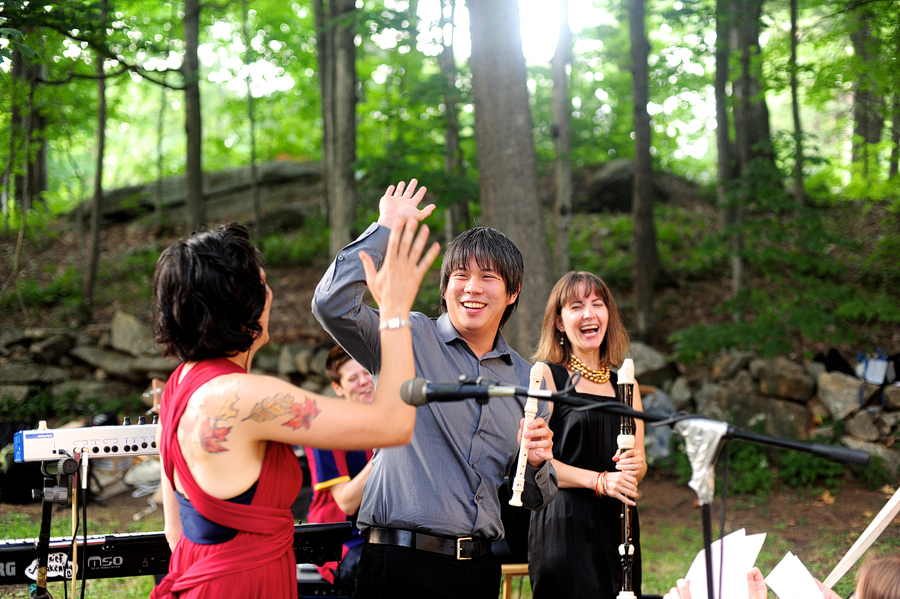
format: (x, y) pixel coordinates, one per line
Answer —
(461, 548)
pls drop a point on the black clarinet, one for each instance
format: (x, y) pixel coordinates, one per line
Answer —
(625, 441)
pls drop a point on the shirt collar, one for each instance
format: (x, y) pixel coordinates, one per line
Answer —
(448, 334)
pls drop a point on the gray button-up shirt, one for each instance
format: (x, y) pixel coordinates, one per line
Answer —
(446, 480)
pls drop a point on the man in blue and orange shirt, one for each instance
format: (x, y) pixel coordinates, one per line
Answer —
(339, 477)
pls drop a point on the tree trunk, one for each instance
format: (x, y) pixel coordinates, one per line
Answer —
(752, 131)
(751, 122)
(193, 191)
(343, 209)
(562, 138)
(646, 259)
(795, 107)
(723, 126)
(457, 214)
(510, 198)
(337, 62)
(30, 125)
(160, 133)
(251, 117)
(895, 137)
(16, 127)
(93, 257)
(868, 120)
(325, 61)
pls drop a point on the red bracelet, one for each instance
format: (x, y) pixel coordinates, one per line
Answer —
(597, 484)
(600, 484)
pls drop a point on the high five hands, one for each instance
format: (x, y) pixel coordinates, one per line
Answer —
(399, 204)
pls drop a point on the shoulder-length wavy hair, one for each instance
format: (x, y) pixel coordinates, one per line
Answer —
(208, 294)
(571, 286)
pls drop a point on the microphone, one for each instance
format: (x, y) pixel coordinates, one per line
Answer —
(419, 391)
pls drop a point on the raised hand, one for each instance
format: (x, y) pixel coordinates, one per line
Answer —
(396, 284)
(399, 204)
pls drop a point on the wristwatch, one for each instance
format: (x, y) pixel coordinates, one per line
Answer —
(394, 323)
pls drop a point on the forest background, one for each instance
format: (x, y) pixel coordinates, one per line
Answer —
(786, 115)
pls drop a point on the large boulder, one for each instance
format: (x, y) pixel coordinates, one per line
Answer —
(227, 193)
(609, 188)
(651, 367)
(657, 439)
(840, 394)
(115, 363)
(784, 378)
(130, 335)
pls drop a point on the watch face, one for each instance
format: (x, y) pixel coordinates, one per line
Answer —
(394, 323)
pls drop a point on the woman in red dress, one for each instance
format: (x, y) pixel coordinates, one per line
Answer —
(230, 474)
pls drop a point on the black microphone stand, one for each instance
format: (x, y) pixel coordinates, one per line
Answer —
(703, 439)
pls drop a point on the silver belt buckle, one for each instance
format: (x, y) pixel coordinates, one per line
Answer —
(459, 542)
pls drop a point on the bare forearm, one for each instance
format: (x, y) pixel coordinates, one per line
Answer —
(172, 526)
(571, 477)
(348, 495)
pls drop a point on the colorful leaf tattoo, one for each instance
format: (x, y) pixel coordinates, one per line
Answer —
(271, 407)
(219, 411)
(212, 436)
(302, 413)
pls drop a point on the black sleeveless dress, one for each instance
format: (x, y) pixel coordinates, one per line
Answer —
(573, 543)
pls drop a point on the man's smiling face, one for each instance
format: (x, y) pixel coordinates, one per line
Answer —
(476, 299)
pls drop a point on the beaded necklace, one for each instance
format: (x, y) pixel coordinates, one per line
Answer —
(595, 376)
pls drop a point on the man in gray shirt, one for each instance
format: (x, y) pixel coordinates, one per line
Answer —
(431, 508)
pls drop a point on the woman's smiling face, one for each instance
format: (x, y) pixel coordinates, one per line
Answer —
(584, 320)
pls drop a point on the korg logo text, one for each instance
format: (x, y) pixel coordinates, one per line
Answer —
(8, 569)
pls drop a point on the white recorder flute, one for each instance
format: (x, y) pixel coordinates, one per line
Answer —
(535, 377)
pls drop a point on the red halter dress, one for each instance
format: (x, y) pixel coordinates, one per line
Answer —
(259, 561)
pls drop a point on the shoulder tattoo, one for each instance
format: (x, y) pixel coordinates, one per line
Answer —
(284, 404)
(212, 435)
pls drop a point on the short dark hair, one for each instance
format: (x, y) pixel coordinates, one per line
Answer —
(208, 294)
(492, 250)
(337, 357)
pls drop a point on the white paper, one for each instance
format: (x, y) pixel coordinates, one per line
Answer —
(740, 552)
(791, 580)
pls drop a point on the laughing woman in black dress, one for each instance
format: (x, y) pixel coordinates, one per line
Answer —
(574, 542)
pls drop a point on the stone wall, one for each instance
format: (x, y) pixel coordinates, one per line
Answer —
(787, 398)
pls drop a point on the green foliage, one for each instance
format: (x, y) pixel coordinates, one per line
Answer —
(44, 405)
(804, 470)
(303, 247)
(61, 289)
(40, 406)
(748, 470)
(601, 243)
(873, 475)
